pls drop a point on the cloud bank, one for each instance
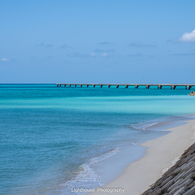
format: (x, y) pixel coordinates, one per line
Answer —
(188, 37)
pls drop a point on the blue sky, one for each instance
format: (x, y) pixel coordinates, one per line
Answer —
(97, 41)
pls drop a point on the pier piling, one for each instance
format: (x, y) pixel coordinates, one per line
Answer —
(173, 87)
(189, 87)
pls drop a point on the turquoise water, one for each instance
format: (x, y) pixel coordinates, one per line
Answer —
(51, 138)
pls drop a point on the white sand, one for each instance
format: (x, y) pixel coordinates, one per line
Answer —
(161, 154)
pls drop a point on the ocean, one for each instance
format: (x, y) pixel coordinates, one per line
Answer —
(55, 139)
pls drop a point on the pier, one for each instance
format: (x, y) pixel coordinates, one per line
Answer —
(159, 86)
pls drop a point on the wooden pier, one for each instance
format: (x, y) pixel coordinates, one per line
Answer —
(159, 86)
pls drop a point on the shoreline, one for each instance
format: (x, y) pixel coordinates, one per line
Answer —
(161, 154)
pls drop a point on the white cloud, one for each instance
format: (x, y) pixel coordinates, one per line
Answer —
(105, 43)
(5, 59)
(65, 46)
(104, 54)
(104, 51)
(139, 44)
(188, 37)
(136, 55)
(44, 45)
(93, 54)
(78, 54)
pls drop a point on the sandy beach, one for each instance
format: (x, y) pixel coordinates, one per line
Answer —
(161, 154)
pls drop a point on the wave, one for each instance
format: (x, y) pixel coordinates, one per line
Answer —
(161, 123)
(86, 176)
(143, 125)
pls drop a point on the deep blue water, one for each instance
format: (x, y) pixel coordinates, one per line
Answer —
(50, 137)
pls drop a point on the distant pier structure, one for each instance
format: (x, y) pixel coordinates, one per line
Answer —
(159, 86)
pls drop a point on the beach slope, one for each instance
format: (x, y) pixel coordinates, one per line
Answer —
(161, 154)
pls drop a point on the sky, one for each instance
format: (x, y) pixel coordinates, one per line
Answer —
(97, 41)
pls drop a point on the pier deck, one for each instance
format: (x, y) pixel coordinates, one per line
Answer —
(159, 86)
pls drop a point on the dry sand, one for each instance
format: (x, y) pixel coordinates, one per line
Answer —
(161, 154)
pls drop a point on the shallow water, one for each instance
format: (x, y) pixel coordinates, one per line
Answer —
(53, 139)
